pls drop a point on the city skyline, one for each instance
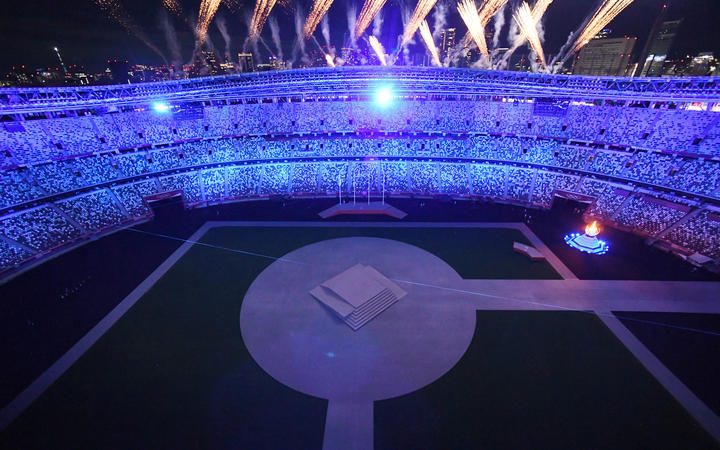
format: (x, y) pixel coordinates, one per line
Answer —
(87, 37)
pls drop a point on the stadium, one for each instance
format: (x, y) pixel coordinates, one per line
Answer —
(158, 243)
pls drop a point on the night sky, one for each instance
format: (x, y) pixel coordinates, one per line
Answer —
(85, 35)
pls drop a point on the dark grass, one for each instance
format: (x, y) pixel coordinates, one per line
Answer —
(473, 252)
(540, 380)
(46, 310)
(37, 326)
(692, 356)
(174, 373)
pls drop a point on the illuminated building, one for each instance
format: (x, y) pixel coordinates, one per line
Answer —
(605, 56)
(660, 44)
(246, 62)
(447, 41)
(276, 63)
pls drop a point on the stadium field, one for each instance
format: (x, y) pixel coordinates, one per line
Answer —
(540, 379)
(173, 372)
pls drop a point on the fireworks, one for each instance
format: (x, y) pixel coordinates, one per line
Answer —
(485, 13)
(379, 50)
(116, 11)
(173, 6)
(233, 5)
(329, 60)
(319, 9)
(429, 42)
(488, 10)
(526, 22)
(208, 8)
(538, 10)
(603, 16)
(259, 17)
(367, 14)
(422, 9)
(470, 16)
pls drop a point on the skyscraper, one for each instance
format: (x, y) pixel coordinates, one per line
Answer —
(659, 18)
(211, 62)
(447, 41)
(660, 44)
(246, 62)
(120, 70)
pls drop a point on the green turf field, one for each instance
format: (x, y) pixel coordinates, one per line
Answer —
(174, 373)
(540, 379)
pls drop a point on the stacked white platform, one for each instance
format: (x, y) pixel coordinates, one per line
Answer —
(358, 295)
(530, 252)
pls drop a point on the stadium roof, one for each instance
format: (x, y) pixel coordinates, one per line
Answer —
(360, 81)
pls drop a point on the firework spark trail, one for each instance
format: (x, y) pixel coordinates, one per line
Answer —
(470, 16)
(607, 11)
(538, 11)
(367, 14)
(422, 9)
(379, 50)
(116, 12)
(429, 42)
(539, 8)
(488, 9)
(318, 11)
(527, 25)
(260, 15)
(233, 5)
(173, 6)
(208, 8)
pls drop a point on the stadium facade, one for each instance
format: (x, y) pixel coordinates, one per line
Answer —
(80, 162)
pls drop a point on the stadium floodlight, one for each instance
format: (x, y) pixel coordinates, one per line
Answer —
(160, 107)
(383, 96)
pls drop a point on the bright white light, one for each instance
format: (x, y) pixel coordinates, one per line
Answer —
(383, 96)
(161, 107)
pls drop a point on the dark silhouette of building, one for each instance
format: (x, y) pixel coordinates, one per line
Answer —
(246, 62)
(119, 70)
(661, 43)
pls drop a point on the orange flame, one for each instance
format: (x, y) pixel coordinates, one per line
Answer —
(592, 229)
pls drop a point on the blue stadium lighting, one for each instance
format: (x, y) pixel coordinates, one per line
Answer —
(383, 96)
(588, 242)
(160, 107)
(574, 240)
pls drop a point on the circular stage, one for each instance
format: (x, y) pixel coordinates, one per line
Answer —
(306, 346)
